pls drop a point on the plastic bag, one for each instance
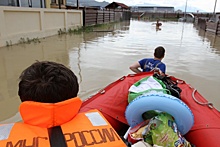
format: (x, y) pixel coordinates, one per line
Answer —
(162, 131)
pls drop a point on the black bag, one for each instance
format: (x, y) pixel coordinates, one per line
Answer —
(170, 85)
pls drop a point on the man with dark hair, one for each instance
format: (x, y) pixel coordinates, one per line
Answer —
(50, 113)
(151, 64)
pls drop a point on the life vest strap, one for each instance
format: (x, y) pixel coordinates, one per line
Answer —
(56, 137)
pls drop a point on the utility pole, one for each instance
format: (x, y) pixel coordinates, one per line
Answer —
(185, 11)
(213, 15)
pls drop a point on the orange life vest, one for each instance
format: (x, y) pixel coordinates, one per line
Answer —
(87, 129)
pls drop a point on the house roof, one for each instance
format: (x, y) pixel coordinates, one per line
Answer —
(115, 5)
(154, 7)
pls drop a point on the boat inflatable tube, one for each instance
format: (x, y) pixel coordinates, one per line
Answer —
(163, 102)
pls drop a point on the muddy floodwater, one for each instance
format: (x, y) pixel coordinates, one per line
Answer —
(104, 55)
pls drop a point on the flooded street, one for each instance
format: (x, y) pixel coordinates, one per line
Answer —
(99, 58)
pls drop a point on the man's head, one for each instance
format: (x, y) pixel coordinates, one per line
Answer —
(47, 82)
(159, 52)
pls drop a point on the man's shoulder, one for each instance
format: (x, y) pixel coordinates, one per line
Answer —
(148, 59)
(162, 64)
(144, 60)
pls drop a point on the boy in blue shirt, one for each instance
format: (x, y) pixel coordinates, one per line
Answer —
(151, 64)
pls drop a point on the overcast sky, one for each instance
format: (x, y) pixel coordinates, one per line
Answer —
(205, 5)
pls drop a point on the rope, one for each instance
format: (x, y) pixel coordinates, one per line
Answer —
(210, 105)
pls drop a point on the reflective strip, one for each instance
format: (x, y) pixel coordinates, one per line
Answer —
(5, 131)
(96, 119)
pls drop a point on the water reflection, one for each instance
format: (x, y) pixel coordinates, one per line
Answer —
(212, 38)
(100, 57)
(16, 58)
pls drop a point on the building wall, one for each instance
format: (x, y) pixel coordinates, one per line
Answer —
(34, 3)
(153, 9)
(18, 22)
(8, 3)
(23, 3)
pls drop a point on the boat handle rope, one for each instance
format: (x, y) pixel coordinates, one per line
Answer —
(210, 105)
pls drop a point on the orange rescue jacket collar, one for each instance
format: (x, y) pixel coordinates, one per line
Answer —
(48, 115)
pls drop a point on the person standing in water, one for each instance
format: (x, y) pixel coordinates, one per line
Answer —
(158, 24)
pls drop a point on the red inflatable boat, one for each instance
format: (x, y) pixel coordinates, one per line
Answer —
(113, 100)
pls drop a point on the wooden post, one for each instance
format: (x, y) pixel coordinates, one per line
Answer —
(97, 14)
(84, 17)
(103, 16)
(217, 28)
(109, 15)
(114, 16)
